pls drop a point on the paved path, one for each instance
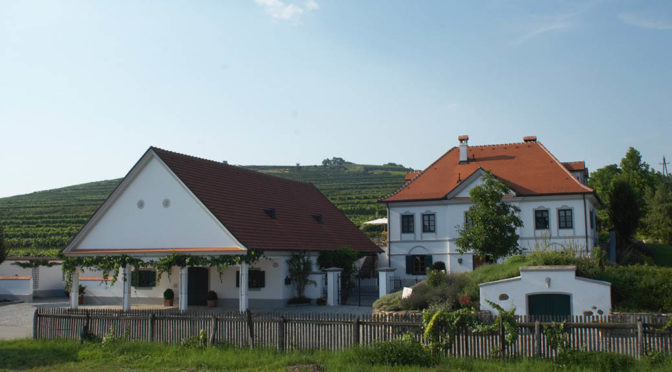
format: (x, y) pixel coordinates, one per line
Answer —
(16, 320)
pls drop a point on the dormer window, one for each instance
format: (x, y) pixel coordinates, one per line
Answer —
(317, 218)
(270, 212)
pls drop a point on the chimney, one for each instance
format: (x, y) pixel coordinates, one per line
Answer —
(464, 158)
(530, 139)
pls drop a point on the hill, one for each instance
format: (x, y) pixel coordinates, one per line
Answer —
(43, 222)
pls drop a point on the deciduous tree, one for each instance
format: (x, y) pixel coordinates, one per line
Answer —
(492, 223)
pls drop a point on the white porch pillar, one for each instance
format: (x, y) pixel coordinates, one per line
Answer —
(384, 280)
(126, 288)
(184, 285)
(333, 283)
(242, 294)
(74, 290)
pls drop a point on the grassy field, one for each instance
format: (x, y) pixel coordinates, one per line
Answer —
(71, 356)
(42, 223)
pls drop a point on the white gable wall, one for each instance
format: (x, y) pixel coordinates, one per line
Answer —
(585, 295)
(185, 223)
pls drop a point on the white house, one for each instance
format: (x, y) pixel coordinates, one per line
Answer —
(174, 203)
(556, 206)
(548, 291)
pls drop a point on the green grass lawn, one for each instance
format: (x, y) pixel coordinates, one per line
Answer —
(59, 355)
(663, 255)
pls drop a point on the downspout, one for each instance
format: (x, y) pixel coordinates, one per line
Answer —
(585, 221)
(389, 247)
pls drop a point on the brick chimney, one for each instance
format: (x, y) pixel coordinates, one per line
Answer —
(464, 149)
(530, 139)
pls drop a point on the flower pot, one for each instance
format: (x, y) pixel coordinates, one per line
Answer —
(167, 302)
(212, 303)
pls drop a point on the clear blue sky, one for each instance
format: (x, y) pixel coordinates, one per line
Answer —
(87, 86)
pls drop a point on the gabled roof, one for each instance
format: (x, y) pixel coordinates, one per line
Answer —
(528, 168)
(266, 212)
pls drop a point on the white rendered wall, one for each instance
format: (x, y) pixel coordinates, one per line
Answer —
(585, 294)
(16, 288)
(7, 268)
(97, 288)
(51, 279)
(183, 224)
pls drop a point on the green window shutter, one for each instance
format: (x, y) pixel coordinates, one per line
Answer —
(134, 278)
(409, 265)
(428, 261)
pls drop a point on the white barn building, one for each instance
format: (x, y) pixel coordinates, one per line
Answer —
(173, 203)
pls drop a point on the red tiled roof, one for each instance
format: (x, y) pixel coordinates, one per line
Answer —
(239, 198)
(573, 166)
(528, 168)
(411, 175)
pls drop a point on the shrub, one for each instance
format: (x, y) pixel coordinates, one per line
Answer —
(389, 302)
(212, 296)
(401, 351)
(168, 294)
(639, 287)
(438, 288)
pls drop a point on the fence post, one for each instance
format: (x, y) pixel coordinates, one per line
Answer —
(35, 315)
(250, 328)
(213, 330)
(501, 338)
(537, 339)
(281, 334)
(355, 331)
(640, 340)
(85, 329)
(150, 336)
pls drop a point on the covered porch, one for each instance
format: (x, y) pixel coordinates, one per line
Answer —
(114, 278)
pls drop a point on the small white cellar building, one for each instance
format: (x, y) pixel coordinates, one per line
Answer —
(548, 291)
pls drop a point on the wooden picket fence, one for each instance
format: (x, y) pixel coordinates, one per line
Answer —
(627, 335)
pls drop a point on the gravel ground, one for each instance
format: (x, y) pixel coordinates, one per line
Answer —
(16, 319)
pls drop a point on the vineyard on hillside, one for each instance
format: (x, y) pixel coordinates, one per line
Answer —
(42, 223)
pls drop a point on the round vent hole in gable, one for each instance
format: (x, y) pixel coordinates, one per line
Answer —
(503, 297)
(141, 204)
(166, 203)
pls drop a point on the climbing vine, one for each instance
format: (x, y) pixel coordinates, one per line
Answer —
(110, 266)
(35, 263)
(441, 327)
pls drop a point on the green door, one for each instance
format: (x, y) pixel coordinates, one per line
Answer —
(548, 305)
(197, 286)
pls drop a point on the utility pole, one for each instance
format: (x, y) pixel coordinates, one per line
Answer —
(664, 164)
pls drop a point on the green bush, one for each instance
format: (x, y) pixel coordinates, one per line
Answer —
(389, 302)
(639, 287)
(438, 288)
(401, 351)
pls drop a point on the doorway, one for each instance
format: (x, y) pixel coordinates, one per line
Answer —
(549, 304)
(197, 287)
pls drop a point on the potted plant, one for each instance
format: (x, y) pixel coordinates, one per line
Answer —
(212, 299)
(168, 296)
(82, 291)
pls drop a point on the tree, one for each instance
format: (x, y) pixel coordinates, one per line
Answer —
(601, 180)
(636, 172)
(659, 218)
(344, 258)
(300, 266)
(492, 223)
(624, 210)
(3, 249)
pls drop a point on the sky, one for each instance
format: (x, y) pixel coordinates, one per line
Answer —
(87, 86)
